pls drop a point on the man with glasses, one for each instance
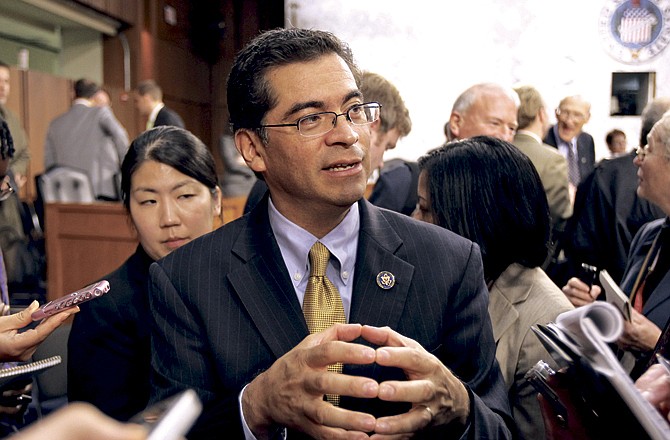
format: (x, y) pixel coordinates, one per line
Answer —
(647, 276)
(574, 144)
(243, 315)
(395, 187)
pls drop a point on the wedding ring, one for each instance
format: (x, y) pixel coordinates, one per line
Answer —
(430, 411)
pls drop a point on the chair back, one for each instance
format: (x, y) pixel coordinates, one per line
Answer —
(65, 184)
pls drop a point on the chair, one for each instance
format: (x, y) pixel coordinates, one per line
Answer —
(62, 184)
(65, 184)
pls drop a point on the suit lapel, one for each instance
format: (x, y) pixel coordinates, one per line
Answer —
(267, 294)
(659, 296)
(379, 249)
(511, 287)
(264, 287)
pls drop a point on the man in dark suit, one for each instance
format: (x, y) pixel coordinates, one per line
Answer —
(574, 144)
(149, 102)
(417, 349)
(608, 211)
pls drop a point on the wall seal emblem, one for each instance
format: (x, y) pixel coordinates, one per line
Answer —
(635, 31)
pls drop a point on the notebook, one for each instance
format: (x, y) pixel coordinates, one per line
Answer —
(26, 370)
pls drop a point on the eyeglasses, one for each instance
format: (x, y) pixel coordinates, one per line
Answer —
(567, 114)
(6, 189)
(320, 123)
(643, 152)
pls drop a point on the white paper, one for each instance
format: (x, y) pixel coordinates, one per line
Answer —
(592, 327)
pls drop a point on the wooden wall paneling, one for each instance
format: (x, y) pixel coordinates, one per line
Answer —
(119, 9)
(232, 208)
(84, 242)
(15, 103)
(185, 81)
(123, 9)
(47, 96)
(15, 99)
(96, 4)
(178, 32)
(123, 106)
(181, 74)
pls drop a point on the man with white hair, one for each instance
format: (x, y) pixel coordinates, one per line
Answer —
(485, 109)
(647, 276)
(571, 141)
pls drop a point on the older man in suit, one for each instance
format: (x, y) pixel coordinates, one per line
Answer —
(571, 141)
(244, 314)
(647, 276)
(485, 109)
(88, 138)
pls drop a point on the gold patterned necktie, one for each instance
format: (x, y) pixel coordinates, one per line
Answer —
(322, 305)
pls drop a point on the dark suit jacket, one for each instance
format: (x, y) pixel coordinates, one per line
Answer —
(607, 215)
(168, 116)
(109, 355)
(396, 187)
(586, 152)
(224, 310)
(657, 306)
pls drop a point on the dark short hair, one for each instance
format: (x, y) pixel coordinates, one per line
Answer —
(249, 93)
(151, 88)
(609, 138)
(3, 64)
(85, 88)
(486, 190)
(172, 146)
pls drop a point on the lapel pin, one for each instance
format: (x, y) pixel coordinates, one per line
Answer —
(385, 280)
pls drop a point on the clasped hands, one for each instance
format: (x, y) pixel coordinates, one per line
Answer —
(290, 393)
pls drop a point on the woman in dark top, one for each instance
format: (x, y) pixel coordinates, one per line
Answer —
(169, 189)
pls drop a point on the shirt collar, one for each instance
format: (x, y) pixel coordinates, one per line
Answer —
(295, 243)
(83, 101)
(154, 112)
(537, 138)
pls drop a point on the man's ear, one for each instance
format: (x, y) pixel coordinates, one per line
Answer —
(216, 206)
(250, 146)
(455, 122)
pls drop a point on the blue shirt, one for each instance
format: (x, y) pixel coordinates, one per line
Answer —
(342, 242)
(294, 243)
